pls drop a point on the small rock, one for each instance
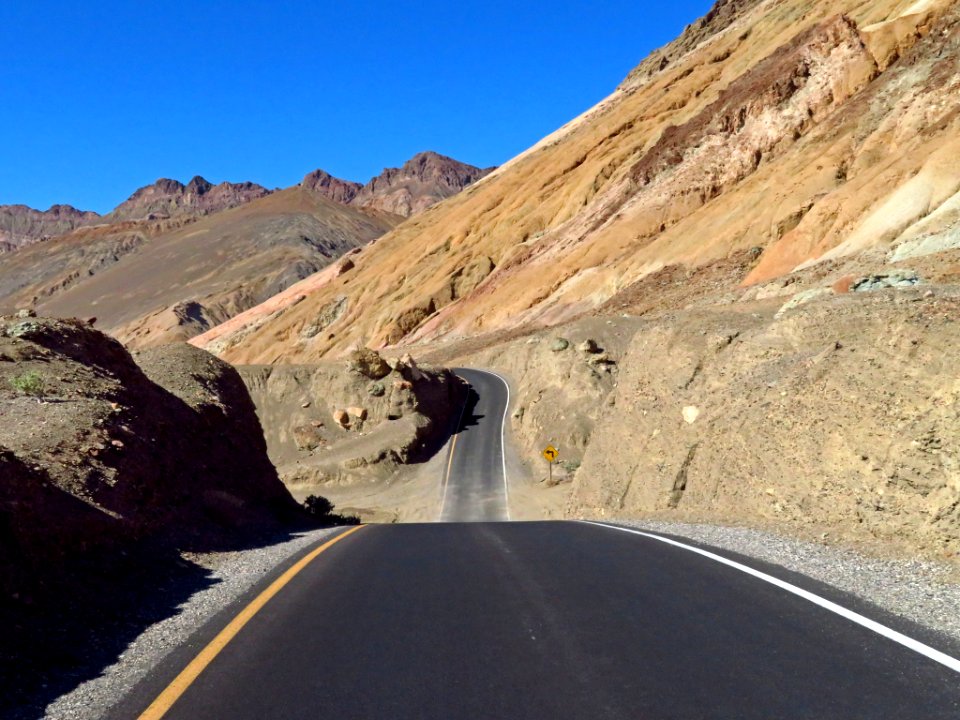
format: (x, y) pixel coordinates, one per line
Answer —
(341, 418)
(412, 371)
(559, 344)
(305, 405)
(376, 389)
(22, 328)
(690, 414)
(802, 298)
(25, 313)
(117, 443)
(588, 346)
(358, 412)
(883, 281)
(346, 265)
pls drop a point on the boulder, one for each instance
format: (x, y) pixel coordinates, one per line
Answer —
(368, 363)
(884, 281)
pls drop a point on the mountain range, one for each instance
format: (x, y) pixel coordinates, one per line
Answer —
(175, 259)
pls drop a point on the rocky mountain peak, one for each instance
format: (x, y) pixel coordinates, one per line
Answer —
(198, 185)
(168, 198)
(422, 181)
(21, 225)
(333, 188)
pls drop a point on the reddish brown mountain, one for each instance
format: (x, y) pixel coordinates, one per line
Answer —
(169, 198)
(322, 183)
(21, 225)
(424, 180)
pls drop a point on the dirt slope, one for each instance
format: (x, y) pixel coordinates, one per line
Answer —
(113, 471)
(838, 416)
(172, 285)
(165, 446)
(798, 130)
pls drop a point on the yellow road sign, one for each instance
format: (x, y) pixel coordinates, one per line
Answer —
(550, 453)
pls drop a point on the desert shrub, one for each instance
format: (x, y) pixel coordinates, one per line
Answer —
(321, 510)
(30, 383)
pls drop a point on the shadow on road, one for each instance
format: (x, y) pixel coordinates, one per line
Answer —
(76, 622)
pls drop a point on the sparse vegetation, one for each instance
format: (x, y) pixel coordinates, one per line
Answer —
(30, 383)
(321, 510)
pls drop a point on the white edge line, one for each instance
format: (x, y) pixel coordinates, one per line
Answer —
(503, 444)
(446, 469)
(850, 615)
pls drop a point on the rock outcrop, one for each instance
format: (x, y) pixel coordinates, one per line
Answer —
(21, 225)
(328, 425)
(326, 185)
(164, 446)
(170, 198)
(422, 181)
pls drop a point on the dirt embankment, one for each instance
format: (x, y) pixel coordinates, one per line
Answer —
(167, 446)
(110, 467)
(357, 421)
(837, 416)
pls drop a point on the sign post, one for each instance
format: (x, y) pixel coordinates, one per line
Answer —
(550, 453)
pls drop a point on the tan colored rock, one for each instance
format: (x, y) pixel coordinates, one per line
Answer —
(368, 363)
(341, 418)
(359, 413)
(690, 414)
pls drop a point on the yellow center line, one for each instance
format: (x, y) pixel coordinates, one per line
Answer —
(159, 707)
(446, 477)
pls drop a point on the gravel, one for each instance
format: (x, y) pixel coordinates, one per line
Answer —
(919, 591)
(233, 573)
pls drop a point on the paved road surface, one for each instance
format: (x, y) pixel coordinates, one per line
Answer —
(542, 620)
(475, 488)
(549, 620)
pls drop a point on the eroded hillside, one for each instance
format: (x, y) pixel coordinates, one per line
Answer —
(796, 131)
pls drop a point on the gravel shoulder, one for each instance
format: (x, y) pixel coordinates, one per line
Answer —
(922, 592)
(233, 573)
(919, 591)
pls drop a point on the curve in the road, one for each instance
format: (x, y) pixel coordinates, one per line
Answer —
(475, 485)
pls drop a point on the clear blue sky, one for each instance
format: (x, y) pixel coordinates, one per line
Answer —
(99, 98)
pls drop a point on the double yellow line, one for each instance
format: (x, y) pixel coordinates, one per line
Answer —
(159, 707)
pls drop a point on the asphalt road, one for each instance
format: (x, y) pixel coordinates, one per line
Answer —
(549, 620)
(475, 484)
(543, 620)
